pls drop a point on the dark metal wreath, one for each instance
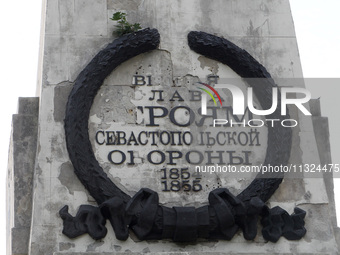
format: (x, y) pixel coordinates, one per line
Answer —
(142, 213)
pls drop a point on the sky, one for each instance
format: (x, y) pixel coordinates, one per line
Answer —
(317, 26)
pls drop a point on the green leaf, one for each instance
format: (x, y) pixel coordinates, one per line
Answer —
(136, 26)
(123, 27)
(117, 16)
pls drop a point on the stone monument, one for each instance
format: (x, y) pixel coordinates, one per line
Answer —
(193, 134)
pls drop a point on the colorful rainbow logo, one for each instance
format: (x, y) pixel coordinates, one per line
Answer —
(209, 93)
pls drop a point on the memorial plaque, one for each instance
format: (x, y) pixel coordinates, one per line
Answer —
(155, 136)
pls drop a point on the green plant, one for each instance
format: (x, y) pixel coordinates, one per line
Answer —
(123, 27)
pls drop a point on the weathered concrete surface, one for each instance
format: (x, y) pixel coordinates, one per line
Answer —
(176, 253)
(321, 130)
(20, 175)
(75, 30)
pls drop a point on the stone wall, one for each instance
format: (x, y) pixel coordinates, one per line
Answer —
(21, 164)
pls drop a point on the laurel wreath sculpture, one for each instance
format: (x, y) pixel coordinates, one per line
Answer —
(142, 213)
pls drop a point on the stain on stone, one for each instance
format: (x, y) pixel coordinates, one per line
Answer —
(205, 17)
(310, 213)
(251, 31)
(212, 65)
(61, 92)
(38, 171)
(57, 146)
(55, 207)
(36, 248)
(46, 242)
(131, 5)
(117, 247)
(253, 42)
(256, 32)
(69, 179)
(264, 8)
(29, 106)
(65, 246)
(107, 111)
(94, 246)
(23, 207)
(296, 186)
(308, 195)
(130, 111)
(279, 53)
(146, 250)
(316, 224)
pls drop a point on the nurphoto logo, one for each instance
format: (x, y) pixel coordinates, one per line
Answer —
(239, 107)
